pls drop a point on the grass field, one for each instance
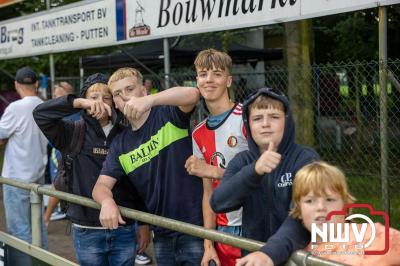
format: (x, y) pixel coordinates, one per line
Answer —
(369, 191)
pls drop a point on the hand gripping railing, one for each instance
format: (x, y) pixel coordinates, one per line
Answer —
(298, 258)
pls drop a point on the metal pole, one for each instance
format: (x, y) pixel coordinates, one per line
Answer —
(36, 208)
(81, 73)
(52, 72)
(51, 59)
(186, 228)
(383, 105)
(167, 66)
(37, 252)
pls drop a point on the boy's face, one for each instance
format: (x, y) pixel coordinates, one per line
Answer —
(123, 89)
(100, 94)
(213, 83)
(314, 209)
(266, 125)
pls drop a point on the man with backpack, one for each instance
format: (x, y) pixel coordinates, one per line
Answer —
(84, 145)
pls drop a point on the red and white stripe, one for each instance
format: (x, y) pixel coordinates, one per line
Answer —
(228, 139)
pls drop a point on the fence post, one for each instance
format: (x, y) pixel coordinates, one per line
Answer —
(383, 102)
(167, 64)
(36, 209)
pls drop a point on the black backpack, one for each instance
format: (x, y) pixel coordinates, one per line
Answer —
(63, 180)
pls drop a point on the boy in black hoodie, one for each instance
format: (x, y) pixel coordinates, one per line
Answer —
(260, 180)
(94, 244)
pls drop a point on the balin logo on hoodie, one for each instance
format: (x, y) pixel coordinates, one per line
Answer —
(286, 180)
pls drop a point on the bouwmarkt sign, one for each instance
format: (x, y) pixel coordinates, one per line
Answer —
(92, 23)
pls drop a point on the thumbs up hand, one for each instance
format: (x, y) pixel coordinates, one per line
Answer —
(268, 161)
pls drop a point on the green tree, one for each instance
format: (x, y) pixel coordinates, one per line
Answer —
(354, 36)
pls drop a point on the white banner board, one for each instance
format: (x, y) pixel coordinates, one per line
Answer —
(64, 29)
(100, 23)
(164, 18)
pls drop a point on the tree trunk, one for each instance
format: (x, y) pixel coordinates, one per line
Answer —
(300, 88)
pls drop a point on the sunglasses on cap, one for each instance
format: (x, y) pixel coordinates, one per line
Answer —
(274, 93)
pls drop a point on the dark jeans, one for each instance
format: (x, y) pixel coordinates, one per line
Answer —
(101, 247)
(182, 250)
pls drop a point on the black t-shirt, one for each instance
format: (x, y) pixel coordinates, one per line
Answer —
(153, 159)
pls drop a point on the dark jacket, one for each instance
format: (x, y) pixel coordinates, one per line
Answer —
(88, 163)
(266, 198)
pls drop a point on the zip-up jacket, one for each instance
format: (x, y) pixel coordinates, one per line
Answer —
(266, 198)
(87, 164)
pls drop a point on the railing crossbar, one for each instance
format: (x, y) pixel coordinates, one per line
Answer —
(186, 228)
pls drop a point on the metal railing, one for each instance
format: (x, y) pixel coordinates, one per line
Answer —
(34, 250)
(298, 258)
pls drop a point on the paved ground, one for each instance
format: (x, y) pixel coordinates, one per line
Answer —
(60, 240)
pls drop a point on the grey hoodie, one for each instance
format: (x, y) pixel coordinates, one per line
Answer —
(266, 198)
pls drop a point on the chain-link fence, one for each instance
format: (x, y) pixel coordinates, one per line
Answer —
(346, 118)
(346, 108)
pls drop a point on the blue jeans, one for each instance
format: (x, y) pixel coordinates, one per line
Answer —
(100, 247)
(182, 250)
(18, 221)
(18, 214)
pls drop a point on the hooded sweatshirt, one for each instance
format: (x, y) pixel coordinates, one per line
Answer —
(266, 198)
(87, 164)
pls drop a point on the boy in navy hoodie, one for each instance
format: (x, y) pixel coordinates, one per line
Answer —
(260, 179)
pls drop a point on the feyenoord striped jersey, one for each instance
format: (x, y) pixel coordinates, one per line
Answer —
(217, 146)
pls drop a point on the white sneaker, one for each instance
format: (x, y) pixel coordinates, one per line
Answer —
(57, 216)
(142, 259)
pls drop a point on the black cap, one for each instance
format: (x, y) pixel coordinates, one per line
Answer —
(92, 79)
(26, 75)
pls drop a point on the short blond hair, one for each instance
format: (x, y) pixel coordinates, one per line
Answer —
(266, 102)
(125, 72)
(318, 177)
(210, 58)
(98, 87)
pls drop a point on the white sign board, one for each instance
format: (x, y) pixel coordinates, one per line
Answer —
(65, 29)
(164, 18)
(100, 23)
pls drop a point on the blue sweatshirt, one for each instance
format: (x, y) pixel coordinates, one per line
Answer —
(266, 198)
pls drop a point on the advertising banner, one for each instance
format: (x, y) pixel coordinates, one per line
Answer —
(89, 24)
